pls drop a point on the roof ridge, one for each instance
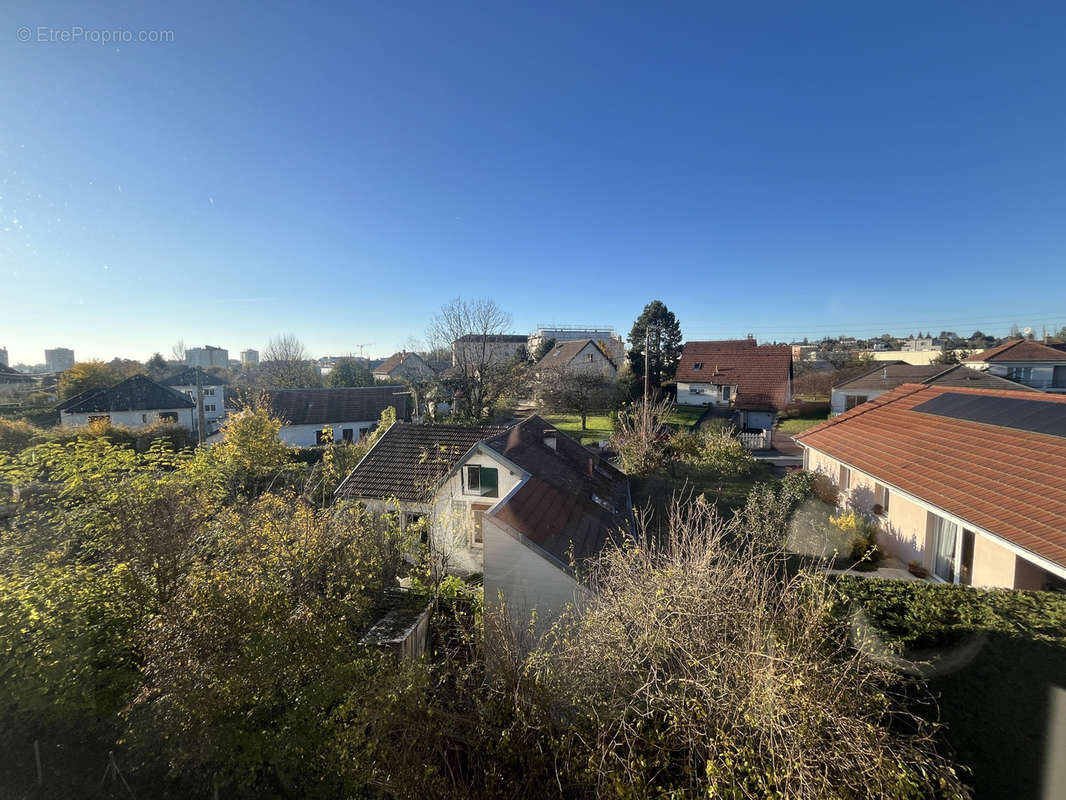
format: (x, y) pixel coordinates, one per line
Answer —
(859, 410)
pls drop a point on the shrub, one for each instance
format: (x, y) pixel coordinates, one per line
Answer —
(16, 435)
(861, 537)
(714, 447)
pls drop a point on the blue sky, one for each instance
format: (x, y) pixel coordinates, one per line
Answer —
(340, 171)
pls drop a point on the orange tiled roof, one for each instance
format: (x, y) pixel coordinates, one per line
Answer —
(760, 373)
(1010, 482)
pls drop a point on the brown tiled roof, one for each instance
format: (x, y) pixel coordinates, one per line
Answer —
(137, 393)
(1010, 482)
(1020, 350)
(557, 508)
(393, 361)
(961, 375)
(408, 461)
(565, 352)
(760, 373)
(345, 404)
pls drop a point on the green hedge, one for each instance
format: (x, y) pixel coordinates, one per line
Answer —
(996, 655)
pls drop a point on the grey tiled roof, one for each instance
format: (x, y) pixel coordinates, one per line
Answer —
(346, 404)
(187, 377)
(138, 393)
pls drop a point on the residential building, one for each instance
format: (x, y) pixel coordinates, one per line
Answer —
(740, 379)
(194, 381)
(581, 355)
(58, 359)
(249, 357)
(968, 483)
(522, 505)
(136, 402)
(920, 345)
(611, 342)
(3, 357)
(348, 413)
(1040, 366)
(403, 366)
(887, 376)
(207, 356)
(474, 349)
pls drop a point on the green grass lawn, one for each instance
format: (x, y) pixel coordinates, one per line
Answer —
(598, 426)
(797, 424)
(684, 416)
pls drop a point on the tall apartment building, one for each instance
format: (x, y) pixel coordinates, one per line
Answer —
(207, 356)
(3, 357)
(249, 356)
(59, 359)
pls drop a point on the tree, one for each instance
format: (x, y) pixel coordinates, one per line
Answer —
(1061, 335)
(543, 349)
(658, 325)
(157, 367)
(479, 376)
(350, 372)
(177, 352)
(287, 365)
(559, 389)
(85, 375)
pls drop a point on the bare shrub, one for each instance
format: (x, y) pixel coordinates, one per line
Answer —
(640, 438)
(704, 670)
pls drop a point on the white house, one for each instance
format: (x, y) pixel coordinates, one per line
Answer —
(1040, 366)
(348, 413)
(582, 355)
(136, 402)
(474, 349)
(521, 504)
(750, 383)
(195, 381)
(887, 376)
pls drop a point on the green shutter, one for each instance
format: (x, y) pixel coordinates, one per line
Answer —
(490, 483)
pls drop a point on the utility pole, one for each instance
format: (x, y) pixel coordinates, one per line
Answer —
(200, 423)
(647, 345)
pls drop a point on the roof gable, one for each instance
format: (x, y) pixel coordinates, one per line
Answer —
(395, 360)
(563, 353)
(1021, 350)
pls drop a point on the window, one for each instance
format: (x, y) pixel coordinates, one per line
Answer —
(845, 477)
(95, 418)
(324, 436)
(416, 521)
(852, 400)
(589, 356)
(347, 434)
(881, 496)
(966, 558)
(209, 407)
(695, 390)
(725, 394)
(144, 418)
(1058, 377)
(482, 481)
(168, 416)
(698, 365)
(1020, 374)
(944, 537)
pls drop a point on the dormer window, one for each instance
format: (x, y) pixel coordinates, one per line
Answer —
(698, 365)
(550, 440)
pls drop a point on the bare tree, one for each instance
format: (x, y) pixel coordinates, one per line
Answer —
(177, 351)
(471, 330)
(287, 365)
(580, 392)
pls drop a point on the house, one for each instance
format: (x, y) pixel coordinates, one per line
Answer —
(522, 504)
(475, 349)
(749, 382)
(1040, 366)
(607, 338)
(404, 366)
(350, 413)
(196, 381)
(969, 483)
(890, 375)
(136, 402)
(582, 355)
(920, 344)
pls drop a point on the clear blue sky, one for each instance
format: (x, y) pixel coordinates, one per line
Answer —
(340, 171)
